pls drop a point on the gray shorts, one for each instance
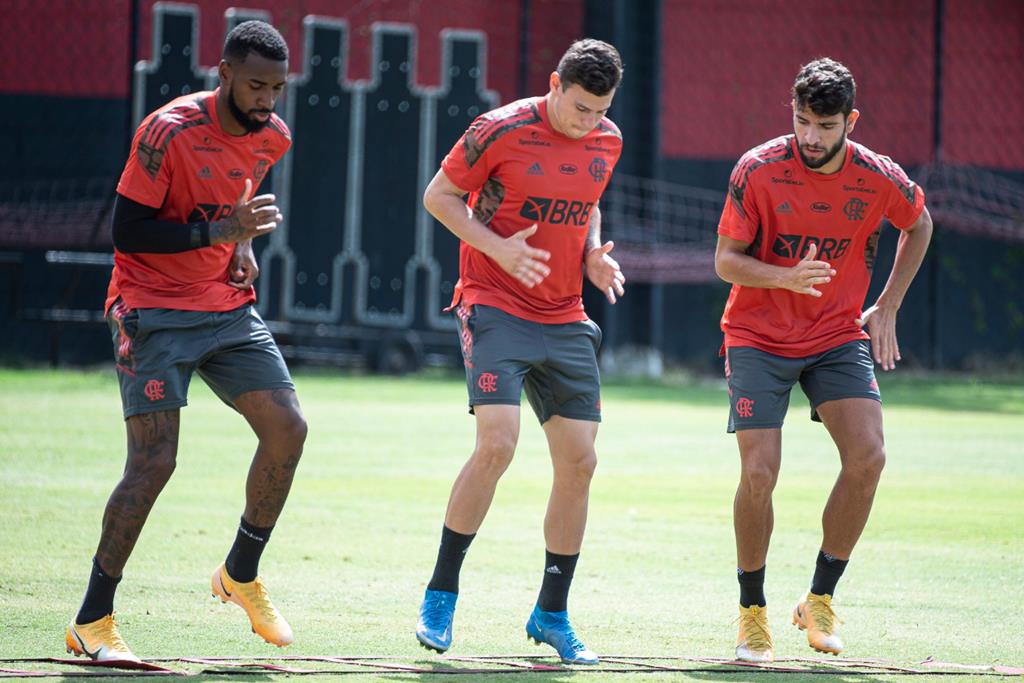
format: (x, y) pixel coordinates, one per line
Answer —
(158, 349)
(760, 382)
(556, 364)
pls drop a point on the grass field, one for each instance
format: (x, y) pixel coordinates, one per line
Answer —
(937, 573)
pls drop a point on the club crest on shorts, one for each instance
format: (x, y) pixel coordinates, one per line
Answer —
(744, 407)
(487, 382)
(154, 389)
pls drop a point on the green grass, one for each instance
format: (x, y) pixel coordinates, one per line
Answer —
(937, 572)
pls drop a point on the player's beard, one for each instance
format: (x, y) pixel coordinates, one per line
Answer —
(250, 124)
(829, 154)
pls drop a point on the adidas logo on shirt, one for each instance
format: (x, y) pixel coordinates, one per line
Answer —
(205, 173)
(783, 208)
(535, 169)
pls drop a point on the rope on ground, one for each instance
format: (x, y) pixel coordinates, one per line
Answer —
(49, 667)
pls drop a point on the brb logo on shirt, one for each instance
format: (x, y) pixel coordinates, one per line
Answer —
(796, 246)
(556, 211)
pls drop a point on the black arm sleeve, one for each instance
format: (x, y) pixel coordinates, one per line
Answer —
(136, 229)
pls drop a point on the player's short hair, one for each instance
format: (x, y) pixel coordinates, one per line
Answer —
(592, 64)
(826, 87)
(255, 36)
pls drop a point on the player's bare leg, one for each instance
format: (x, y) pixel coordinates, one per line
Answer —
(753, 519)
(497, 432)
(152, 452)
(855, 425)
(574, 460)
(753, 515)
(276, 418)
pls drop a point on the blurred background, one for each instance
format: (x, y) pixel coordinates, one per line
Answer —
(358, 274)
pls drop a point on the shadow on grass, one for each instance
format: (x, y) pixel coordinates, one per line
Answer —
(787, 677)
(709, 673)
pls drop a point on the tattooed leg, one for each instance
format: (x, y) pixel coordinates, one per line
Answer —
(277, 419)
(152, 449)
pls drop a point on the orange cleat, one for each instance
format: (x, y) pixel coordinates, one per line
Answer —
(814, 614)
(266, 621)
(99, 640)
(754, 642)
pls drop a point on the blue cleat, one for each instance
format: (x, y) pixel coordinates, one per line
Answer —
(553, 628)
(434, 629)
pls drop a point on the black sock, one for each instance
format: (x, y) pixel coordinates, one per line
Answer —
(243, 561)
(449, 560)
(99, 596)
(827, 571)
(751, 587)
(554, 590)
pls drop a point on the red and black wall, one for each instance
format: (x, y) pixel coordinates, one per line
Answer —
(938, 80)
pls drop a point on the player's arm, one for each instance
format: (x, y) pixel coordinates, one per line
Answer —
(443, 199)
(733, 264)
(880, 318)
(135, 227)
(602, 270)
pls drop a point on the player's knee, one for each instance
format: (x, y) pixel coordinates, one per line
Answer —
(868, 464)
(152, 472)
(580, 469)
(494, 453)
(877, 461)
(285, 431)
(588, 465)
(296, 429)
(758, 479)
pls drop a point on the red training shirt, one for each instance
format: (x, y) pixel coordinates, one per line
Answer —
(520, 171)
(780, 208)
(184, 164)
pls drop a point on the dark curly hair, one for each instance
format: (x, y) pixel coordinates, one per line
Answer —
(255, 36)
(826, 87)
(592, 64)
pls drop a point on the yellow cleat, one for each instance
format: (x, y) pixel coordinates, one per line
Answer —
(754, 642)
(266, 621)
(814, 614)
(99, 640)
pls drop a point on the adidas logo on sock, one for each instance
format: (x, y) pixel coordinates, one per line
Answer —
(553, 569)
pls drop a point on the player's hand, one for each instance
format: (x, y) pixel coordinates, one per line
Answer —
(881, 325)
(803, 277)
(252, 217)
(604, 273)
(521, 261)
(243, 269)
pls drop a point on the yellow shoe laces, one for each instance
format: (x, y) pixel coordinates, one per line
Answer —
(754, 627)
(260, 600)
(820, 607)
(109, 634)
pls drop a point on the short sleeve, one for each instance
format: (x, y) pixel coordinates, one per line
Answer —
(284, 136)
(740, 218)
(147, 173)
(906, 198)
(468, 164)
